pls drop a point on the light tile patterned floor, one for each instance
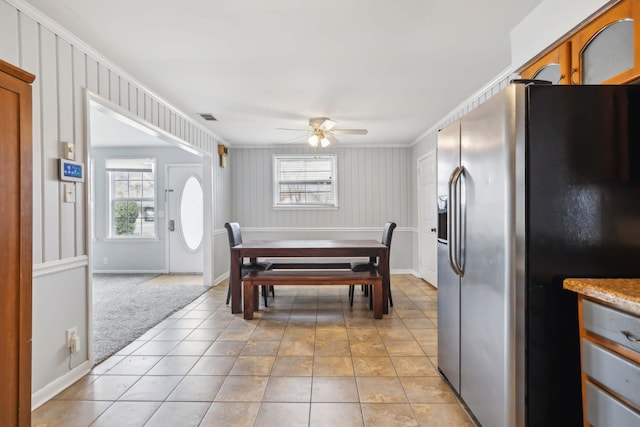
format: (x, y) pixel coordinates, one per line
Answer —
(309, 360)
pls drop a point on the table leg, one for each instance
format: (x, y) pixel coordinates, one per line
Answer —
(235, 283)
(383, 269)
(377, 299)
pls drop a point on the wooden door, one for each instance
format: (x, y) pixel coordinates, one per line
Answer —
(15, 245)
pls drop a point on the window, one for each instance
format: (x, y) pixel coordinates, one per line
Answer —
(305, 181)
(132, 197)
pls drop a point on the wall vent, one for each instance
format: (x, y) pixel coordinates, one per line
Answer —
(208, 117)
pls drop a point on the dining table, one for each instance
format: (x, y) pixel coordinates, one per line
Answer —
(314, 249)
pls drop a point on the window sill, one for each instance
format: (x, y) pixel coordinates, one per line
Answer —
(130, 239)
(305, 208)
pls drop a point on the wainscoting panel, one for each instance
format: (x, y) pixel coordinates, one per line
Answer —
(373, 188)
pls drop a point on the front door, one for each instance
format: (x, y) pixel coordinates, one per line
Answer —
(185, 219)
(427, 217)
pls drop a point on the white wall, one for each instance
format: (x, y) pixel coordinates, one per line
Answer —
(222, 214)
(138, 255)
(373, 188)
(64, 67)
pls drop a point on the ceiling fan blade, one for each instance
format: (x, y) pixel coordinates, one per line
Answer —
(297, 130)
(331, 138)
(328, 124)
(295, 139)
(350, 131)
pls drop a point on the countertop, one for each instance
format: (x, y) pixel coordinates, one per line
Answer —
(621, 293)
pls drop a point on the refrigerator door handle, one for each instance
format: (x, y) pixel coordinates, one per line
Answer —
(459, 253)
(453, 213)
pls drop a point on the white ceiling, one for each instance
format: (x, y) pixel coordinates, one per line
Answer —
(394, 68)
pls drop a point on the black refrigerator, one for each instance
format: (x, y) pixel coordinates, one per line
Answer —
(537, 184)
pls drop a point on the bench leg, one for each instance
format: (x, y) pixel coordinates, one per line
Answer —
(248, 299)
(377, 299)
(256, 298)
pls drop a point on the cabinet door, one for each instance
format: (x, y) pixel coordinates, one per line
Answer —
(15, 242)
(554, 66)
(606, 51)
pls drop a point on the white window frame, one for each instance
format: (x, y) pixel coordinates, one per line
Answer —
(293, 206)
(111, 201)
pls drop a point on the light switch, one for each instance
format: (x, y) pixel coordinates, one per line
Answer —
(69, 150)
(69, 193)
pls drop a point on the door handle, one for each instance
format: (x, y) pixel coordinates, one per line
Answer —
(461, 215)
(172, 225)
(452, 218)
(433, 230)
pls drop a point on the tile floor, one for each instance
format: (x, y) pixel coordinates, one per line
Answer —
(309, 360)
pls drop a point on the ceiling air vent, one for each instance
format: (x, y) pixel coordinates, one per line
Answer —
(208, 116)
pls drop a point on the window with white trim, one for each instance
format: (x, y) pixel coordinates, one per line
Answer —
(305, 181)
(132, 197)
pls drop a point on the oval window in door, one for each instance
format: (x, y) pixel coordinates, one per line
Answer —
(191, 216)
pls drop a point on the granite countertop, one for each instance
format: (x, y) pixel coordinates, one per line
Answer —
(621, 293)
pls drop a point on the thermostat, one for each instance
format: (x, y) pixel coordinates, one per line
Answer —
(71, 171)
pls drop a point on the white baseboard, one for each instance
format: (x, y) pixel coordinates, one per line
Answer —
(220, 278)
(130, 271)
(47, 392)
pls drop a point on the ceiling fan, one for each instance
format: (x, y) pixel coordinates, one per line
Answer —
(323, 130)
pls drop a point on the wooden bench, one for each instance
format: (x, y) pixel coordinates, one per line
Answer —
(309, 277)
(311, 266)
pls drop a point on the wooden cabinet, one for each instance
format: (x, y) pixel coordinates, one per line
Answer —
(606, 50)
(15, 245)
(555, 66)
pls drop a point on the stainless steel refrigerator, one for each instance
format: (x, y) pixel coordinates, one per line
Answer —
(537, 184)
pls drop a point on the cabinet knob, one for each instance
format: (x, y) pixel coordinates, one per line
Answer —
(573, 71)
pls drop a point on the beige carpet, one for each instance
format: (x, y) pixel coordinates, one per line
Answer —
(125, 306)
(175, 279)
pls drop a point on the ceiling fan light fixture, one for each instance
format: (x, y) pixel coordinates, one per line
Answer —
(324, 142)
(314, 140)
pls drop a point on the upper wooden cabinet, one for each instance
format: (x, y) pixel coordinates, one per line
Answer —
(555, 66)
(606, 50)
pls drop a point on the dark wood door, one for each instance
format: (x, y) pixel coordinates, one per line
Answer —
(15, 245)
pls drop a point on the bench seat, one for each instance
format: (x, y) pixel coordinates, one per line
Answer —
(312, 266)
(310, 277)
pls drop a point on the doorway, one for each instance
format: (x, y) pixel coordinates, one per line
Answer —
(129, 213)
(427, 217)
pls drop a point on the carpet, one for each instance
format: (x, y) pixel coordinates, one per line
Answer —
(125, 306)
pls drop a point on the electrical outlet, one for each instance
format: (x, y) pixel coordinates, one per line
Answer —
(105, 260)
(72, 339)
